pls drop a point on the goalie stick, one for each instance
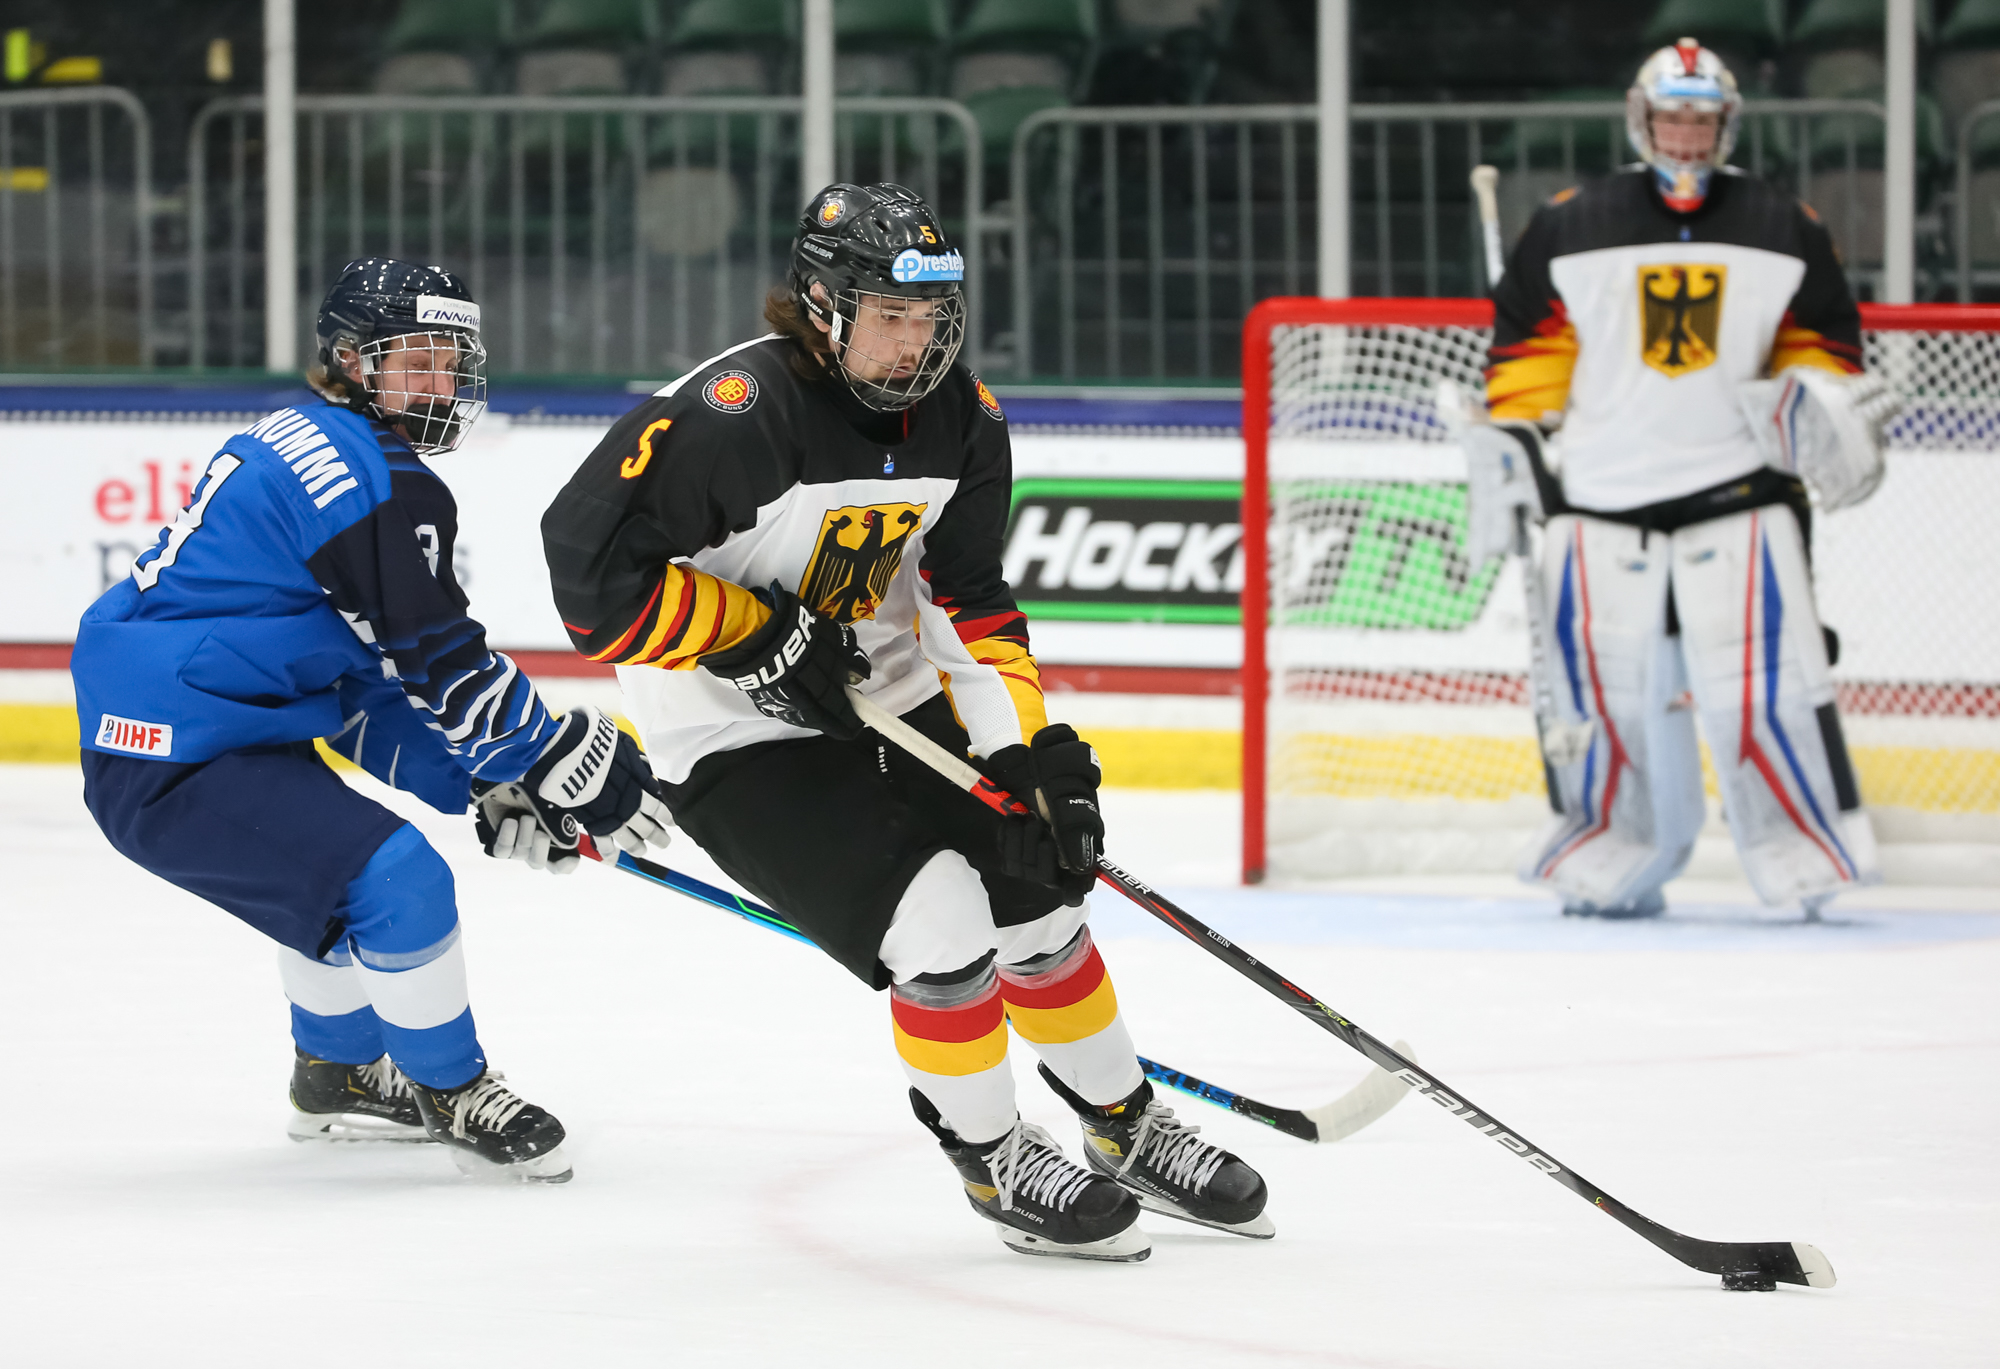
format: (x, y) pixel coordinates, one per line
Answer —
(1747, 1265)
(1334, 1121)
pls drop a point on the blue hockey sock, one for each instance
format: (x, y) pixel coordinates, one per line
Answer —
(331, 1017)
(402, 924)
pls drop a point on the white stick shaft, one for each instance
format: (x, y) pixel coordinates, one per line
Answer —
(953, 768)
(1485, 180)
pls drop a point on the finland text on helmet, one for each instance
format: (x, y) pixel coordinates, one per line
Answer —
(872, 267)
(400, 342)
(1681, 115)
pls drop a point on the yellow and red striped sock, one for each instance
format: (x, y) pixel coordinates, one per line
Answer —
(953, 1042)
(1064, 1006)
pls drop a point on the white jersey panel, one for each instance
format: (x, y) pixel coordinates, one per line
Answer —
(1653, 412)
(683, 715)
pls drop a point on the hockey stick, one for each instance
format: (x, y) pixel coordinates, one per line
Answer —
(1333, 1121)
(1563, 743)
(1484, 181)
(1758, 1265)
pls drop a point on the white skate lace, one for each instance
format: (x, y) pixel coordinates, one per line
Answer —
(486, 1104)
(1178, 1155)
(384, 1078)
(1042, 1175)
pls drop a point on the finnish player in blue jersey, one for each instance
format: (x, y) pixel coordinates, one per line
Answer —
(306, 591)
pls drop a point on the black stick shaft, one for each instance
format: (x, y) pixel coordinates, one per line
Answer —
(1707, 1255)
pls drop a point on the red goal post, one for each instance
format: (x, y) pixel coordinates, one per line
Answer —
(1341, 391)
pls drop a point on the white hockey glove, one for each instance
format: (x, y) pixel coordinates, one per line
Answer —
(1825, 429)
(1500, 494)
(590, 778)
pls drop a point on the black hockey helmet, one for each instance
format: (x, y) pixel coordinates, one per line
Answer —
(373, 302)
(881, 241)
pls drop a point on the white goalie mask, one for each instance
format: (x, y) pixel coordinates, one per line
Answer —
(1685, 78)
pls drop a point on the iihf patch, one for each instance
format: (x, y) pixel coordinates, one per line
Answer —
(986, 400)
(131, 734)
(732, 392)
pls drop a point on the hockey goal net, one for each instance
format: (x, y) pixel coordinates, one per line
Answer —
(1387, 727)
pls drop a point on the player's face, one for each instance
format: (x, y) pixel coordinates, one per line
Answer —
(1686, 135)
(889, 337)
(417, 365)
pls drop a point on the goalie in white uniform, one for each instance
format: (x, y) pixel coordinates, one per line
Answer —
(1690, 331)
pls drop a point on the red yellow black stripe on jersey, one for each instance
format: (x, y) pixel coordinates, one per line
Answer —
(689, 612)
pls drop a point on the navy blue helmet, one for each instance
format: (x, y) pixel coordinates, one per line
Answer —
(413, 333)
(891, 291)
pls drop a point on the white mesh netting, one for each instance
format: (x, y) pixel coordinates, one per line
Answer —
(1400, 737)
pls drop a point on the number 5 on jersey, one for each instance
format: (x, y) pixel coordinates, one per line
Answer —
(146, 575)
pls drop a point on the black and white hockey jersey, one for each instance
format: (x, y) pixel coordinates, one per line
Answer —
(1633, 326)
(746, 471)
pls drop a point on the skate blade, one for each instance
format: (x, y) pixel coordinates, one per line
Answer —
(350, 1126)
(1128, 1247)
(551, 1167)
(1258, 1228)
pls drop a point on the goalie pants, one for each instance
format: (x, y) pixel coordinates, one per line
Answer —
(1651, 627)
(894, 873)
(362, 907)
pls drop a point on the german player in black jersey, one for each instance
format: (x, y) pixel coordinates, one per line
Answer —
(1690, 332)
(826, 505)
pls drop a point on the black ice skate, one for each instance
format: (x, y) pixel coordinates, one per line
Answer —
(1041, 1202)
(336, 1102)
(493, 1133)
(1140, 1144)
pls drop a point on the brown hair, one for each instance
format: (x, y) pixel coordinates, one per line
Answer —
(782, 312)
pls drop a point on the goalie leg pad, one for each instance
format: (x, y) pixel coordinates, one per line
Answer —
(1758, 662)
(1631, 803)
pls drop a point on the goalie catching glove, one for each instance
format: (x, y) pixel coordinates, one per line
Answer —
(591, 778)
(1057, 778)
(1825, 429)
(797, 666)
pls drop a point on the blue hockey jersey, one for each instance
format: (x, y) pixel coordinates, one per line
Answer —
(307, 591)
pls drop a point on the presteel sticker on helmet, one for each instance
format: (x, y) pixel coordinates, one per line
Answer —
(911, 266)
(732, 392)
(986, 400)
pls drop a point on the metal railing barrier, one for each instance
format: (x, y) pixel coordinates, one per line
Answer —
(601, 235)
(76, 264)
(1141, 237)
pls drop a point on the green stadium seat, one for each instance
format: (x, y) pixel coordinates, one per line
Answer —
(584, 47)
(1011, 58)
(1839, 47)
(731, 47)
(889, 47)
(1162, 49)
(1967, 70)
(442, 47)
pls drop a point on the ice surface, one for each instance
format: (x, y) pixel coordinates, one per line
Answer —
(751, 1189)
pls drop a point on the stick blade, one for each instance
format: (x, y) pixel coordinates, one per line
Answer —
(1366, 1103)
(1814, 1265)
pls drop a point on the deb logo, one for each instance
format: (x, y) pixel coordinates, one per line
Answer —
(732, 392)
(140, 738)
(912, 265)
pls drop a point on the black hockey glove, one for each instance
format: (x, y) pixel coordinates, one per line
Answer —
(591, 778)
(1057, 776)
(796, 668)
